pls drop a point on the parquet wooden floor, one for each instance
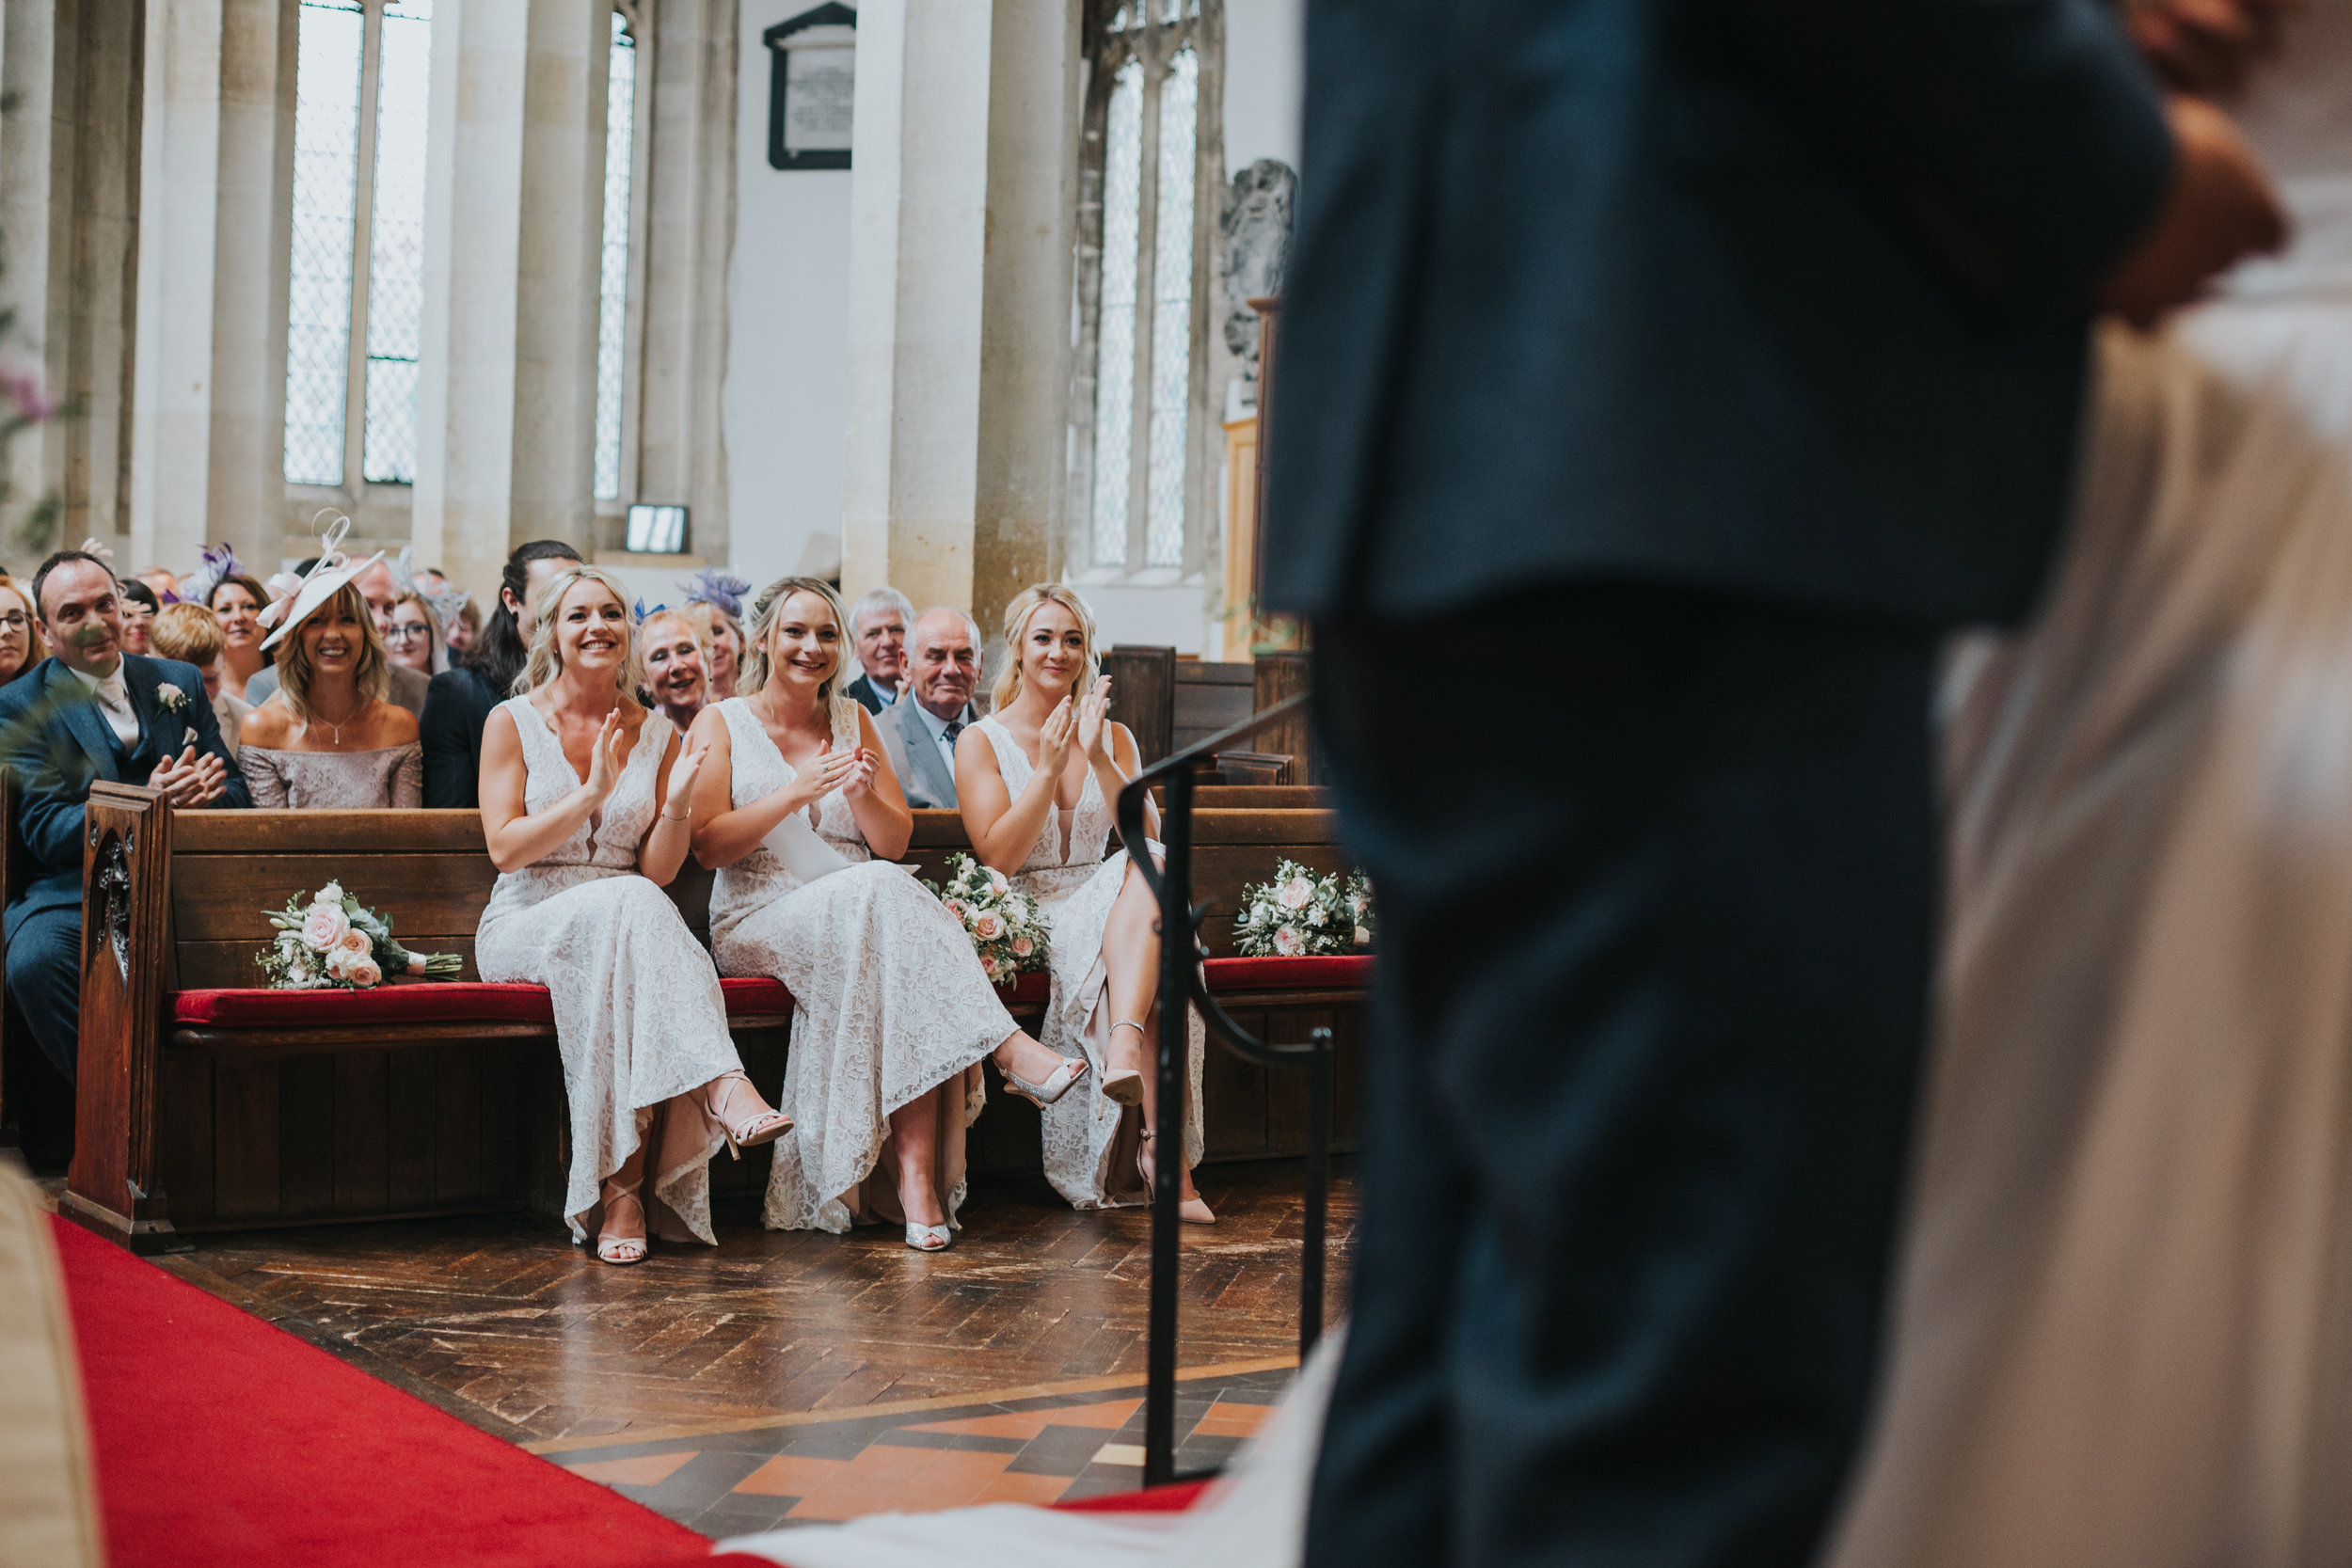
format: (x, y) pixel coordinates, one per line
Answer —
(504, 1324)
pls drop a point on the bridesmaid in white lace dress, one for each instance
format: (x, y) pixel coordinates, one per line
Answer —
(891, 1012)
(1036, 782)
(575, 786)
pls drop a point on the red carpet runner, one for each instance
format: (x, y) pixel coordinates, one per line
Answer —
(220, 1441)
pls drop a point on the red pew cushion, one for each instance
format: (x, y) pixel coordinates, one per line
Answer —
(405, 1002)
(1336, 969)
(478, 1002)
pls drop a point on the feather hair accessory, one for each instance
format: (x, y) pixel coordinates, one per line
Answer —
(718, 587)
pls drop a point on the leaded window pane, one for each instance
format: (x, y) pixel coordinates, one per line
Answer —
(620, 142)
(396, 243)
(1171, 309)
(328, 42)
(1115, 352)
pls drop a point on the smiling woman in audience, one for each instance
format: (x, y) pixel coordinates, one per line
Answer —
(414, 641)
(19, 632)
(238, 599)
(723, 635)
(139, 606)
(1034, 780)
(327, 740)
(891, 1012)
(678, 665)
(587, 802)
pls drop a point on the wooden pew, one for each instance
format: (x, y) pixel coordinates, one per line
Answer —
(207, 1104)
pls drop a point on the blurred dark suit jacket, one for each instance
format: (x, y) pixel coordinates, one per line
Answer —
(1787, 298)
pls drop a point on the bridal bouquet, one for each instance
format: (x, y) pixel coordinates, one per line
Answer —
(335, 941)
(1300, 914)
(1007, 928)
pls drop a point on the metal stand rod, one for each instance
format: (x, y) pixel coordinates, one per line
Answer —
(1318, 1186)
(1168, 1142)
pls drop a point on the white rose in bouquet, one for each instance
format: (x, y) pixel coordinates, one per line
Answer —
(996, 883)
(362, 972)
(324, 926)
(357, 940)
(1286, 941)
(1296, 893)
(331, 894)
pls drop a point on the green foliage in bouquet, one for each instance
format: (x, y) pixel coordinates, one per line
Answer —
(333, 941)
(1302, 914)
(1007, 928)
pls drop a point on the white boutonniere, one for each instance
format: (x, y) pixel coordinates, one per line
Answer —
(170, 698)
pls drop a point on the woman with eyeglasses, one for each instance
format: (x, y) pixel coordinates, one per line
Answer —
(414, 639)
(19, 632)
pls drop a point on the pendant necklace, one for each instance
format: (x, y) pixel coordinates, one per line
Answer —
(332, 725)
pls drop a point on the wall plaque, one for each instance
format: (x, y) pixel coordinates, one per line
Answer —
(812, 89)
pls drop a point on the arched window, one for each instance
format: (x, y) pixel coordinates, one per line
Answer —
(356, 275)
(1139, 484)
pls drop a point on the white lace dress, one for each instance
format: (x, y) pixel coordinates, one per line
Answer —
(1089, 1147)
(888, 1000)
(639, 1016)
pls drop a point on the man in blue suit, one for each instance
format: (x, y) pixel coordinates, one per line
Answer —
(1702, 361)
(89, 711)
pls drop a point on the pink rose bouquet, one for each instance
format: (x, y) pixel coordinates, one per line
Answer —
(333, 941)
(1007, 929)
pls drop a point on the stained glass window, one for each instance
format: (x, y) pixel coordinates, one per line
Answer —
(1171, 309)
(1115, 379)
(620, 142)
(329, 42)
(332, 296)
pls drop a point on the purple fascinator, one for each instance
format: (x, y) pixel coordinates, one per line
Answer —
(718, 587)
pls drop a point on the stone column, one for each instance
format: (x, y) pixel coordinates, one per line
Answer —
(960, 231)
(208, 405)
(689, 189)
(515, 190)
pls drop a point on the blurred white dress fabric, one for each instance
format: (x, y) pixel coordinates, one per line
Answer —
(2124, 1321)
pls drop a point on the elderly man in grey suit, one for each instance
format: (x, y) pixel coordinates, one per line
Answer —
(943, 668)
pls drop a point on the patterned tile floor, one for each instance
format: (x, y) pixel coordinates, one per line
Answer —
(1029, 1451)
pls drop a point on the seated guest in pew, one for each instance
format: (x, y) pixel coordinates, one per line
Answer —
(330, 741)
(88, 712)
(678, 665)
(458, 702)
(239, 598)
(19, 632)
(192, 635)
(1036, 781)
(586, 802)
(139, 609)
(880, 623)
(942, 669)
(414, 641)
(891, 1010)
(403, 688)
(723, 634)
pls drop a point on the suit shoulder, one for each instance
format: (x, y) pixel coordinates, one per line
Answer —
(172, 672)
(21, 693)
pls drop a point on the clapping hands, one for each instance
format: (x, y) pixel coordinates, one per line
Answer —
(683, 773)
(191, 779)
(827, 771)
(604, 760)
(1094, 724)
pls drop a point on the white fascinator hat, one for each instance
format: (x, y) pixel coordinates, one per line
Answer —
(329, 576)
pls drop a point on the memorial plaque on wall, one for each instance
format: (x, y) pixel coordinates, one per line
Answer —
(812, 89)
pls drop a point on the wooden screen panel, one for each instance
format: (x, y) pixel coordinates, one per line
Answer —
(1143, 695)
(1209, 698)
